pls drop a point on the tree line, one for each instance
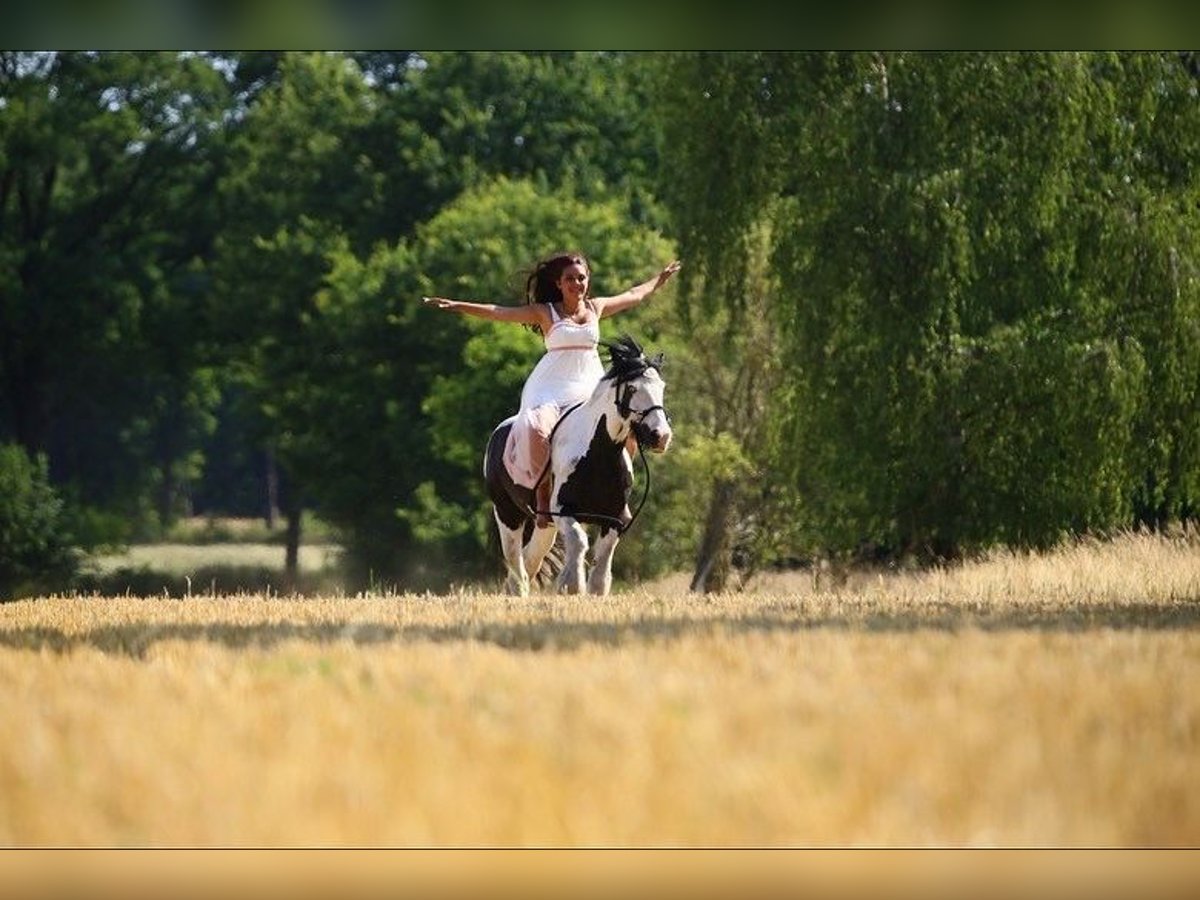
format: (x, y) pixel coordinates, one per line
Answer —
(930, 303)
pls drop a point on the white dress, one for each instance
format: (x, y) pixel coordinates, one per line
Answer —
(566, 374)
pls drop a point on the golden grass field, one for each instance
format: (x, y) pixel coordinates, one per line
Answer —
(1017, 701)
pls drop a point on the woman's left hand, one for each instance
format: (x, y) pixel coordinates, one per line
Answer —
(665, 275)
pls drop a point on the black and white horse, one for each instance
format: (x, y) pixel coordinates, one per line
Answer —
(592, 475)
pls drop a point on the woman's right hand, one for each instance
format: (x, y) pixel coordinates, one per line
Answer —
(438, 302)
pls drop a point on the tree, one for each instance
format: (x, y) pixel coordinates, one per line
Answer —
(338, 157)
(952, 237)
(107, 163)
(449, 121)
(398, 400)
(294, 193)
(719, 505)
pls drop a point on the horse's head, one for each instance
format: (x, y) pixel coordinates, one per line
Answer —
(639, 387)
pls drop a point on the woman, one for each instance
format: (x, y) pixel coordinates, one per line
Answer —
(557, 304)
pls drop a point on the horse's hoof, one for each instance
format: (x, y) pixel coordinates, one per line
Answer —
(516, 588)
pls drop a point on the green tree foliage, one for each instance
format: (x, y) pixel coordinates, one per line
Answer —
(35, 549)
(364, 441)
(397, 399)
(988, 299)
(448, 121)
(295, 194)
(718, 506)
(336, 163)
(929, 301)
(107, 163)
(188, 236)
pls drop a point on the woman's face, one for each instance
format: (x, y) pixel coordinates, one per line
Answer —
(573, 281)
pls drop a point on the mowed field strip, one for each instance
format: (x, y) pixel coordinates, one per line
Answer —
(1020, 700)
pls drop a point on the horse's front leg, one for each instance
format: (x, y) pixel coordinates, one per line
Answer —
(600, 581)
(575, 546)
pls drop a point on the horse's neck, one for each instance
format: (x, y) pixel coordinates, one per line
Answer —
(602, 404)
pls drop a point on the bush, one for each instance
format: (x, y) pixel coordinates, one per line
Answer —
(35, 551)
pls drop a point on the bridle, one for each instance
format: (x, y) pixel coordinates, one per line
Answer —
(636, 417)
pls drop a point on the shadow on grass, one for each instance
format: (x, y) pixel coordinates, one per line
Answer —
(559, 635)
(216, 580)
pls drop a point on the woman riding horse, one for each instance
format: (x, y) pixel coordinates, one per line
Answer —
(557, 304)
(592, 474)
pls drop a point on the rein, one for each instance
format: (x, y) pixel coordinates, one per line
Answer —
(620, 527)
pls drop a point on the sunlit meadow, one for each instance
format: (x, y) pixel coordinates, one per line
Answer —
(1017, 700)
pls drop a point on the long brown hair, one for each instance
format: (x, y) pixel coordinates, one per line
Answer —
(541, 286)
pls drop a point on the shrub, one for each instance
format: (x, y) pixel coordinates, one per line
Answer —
(35, 551)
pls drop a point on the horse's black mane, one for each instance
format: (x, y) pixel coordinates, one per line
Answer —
(627, 360)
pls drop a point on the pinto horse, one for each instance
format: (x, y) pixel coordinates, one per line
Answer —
(591, 470)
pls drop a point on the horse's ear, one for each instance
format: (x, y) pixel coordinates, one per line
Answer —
(656, 361)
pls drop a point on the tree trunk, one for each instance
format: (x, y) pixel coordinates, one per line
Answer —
(291, 562)
(168, 437)
(166, 493)
(272, 473)
(712, 557)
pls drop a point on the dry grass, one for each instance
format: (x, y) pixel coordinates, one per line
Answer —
(186, 559)
(1017, 701)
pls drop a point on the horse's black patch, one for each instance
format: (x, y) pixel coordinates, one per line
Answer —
(512, 501)
(599, 483)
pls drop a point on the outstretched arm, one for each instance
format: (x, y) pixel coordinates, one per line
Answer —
(531, 314)
(636, 294)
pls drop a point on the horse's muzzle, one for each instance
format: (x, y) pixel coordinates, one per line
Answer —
(651, 438)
